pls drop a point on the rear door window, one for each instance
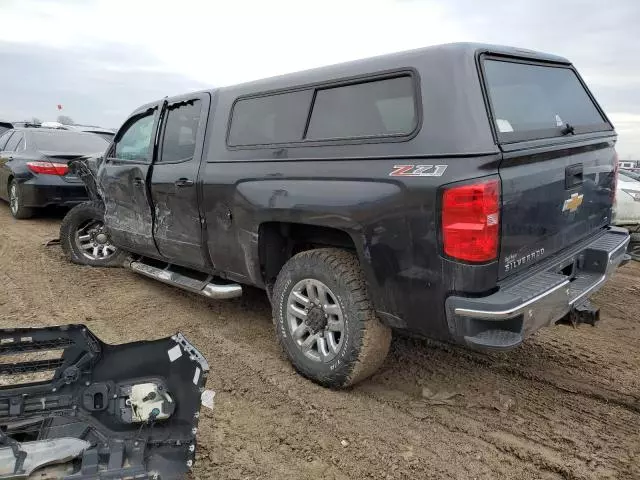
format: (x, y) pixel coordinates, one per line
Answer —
(181, 127)
(532, 101)
(371, 109)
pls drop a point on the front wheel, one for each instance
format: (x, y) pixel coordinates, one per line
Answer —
(324, 320)
(85, 240)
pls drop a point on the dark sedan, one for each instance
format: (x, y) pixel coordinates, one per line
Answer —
(34, 168)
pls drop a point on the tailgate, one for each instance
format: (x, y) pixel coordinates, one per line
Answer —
(558, 167)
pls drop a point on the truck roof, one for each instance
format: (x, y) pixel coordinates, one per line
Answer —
(440, 54)
(450, 123)
(436, 55)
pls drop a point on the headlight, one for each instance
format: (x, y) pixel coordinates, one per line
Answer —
(635, 194)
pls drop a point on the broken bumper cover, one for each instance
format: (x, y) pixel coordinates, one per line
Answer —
(107, 411)
(526, 303)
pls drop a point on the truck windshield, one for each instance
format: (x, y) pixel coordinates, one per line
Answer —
(531, 101)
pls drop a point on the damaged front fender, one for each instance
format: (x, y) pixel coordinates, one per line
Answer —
(86, 168)
(106, 411)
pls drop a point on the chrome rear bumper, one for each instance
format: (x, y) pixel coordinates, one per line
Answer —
(530, 302)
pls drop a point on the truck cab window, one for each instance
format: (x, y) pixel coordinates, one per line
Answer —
(181, 127)
(135, 143)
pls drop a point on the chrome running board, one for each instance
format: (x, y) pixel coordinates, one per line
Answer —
(203, 287)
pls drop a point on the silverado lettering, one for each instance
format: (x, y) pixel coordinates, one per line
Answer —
(514, 262)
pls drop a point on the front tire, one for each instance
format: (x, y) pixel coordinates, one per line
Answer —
(84, 239)
(16, 202)
(324, 320)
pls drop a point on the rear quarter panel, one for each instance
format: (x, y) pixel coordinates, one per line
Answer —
(393, 222)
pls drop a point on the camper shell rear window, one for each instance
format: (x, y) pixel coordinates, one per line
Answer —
(532, 100)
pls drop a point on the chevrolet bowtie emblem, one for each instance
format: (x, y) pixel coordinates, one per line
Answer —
(573, 202)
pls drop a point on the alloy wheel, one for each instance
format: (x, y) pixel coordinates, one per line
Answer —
(94, 242)
(14, 202)
(315, 320)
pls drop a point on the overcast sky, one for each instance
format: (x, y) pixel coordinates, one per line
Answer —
(100, 59)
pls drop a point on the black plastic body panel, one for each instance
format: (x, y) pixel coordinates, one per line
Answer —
(85, 399)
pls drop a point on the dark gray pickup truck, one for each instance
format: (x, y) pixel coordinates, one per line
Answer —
(461, 192)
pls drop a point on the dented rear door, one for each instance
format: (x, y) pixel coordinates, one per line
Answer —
(177, 227)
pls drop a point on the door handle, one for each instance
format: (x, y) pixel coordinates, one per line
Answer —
(573, 176)
(138, 182)
(184, 182)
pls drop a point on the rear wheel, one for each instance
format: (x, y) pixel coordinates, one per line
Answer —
(16, 202)
(324, 320)
(85, 240)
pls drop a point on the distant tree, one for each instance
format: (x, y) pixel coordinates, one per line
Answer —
(36, 120)
(63, 119)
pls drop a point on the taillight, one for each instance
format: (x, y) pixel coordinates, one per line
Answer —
(48, 168)
(471, 221)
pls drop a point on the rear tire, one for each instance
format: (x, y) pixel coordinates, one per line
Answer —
(85, 241)
(324, 320)
(16, 202)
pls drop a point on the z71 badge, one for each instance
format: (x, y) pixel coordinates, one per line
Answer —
(418, 170)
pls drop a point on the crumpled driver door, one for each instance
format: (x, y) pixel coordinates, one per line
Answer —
(123, 178)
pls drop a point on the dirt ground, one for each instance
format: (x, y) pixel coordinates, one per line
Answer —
(564, 405)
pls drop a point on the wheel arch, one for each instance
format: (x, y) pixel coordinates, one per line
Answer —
(278, 241)
(266, 216)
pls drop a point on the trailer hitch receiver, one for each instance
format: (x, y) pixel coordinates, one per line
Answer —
(584, 312)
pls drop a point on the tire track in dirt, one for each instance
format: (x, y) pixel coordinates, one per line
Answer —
(554, 418)
(540, 417)
(337, 418)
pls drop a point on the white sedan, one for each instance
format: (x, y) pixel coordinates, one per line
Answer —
(626, 210)
(627, 205)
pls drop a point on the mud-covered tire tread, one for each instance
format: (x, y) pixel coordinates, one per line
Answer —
(371, 338)
(23, 213)
(76, 215)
